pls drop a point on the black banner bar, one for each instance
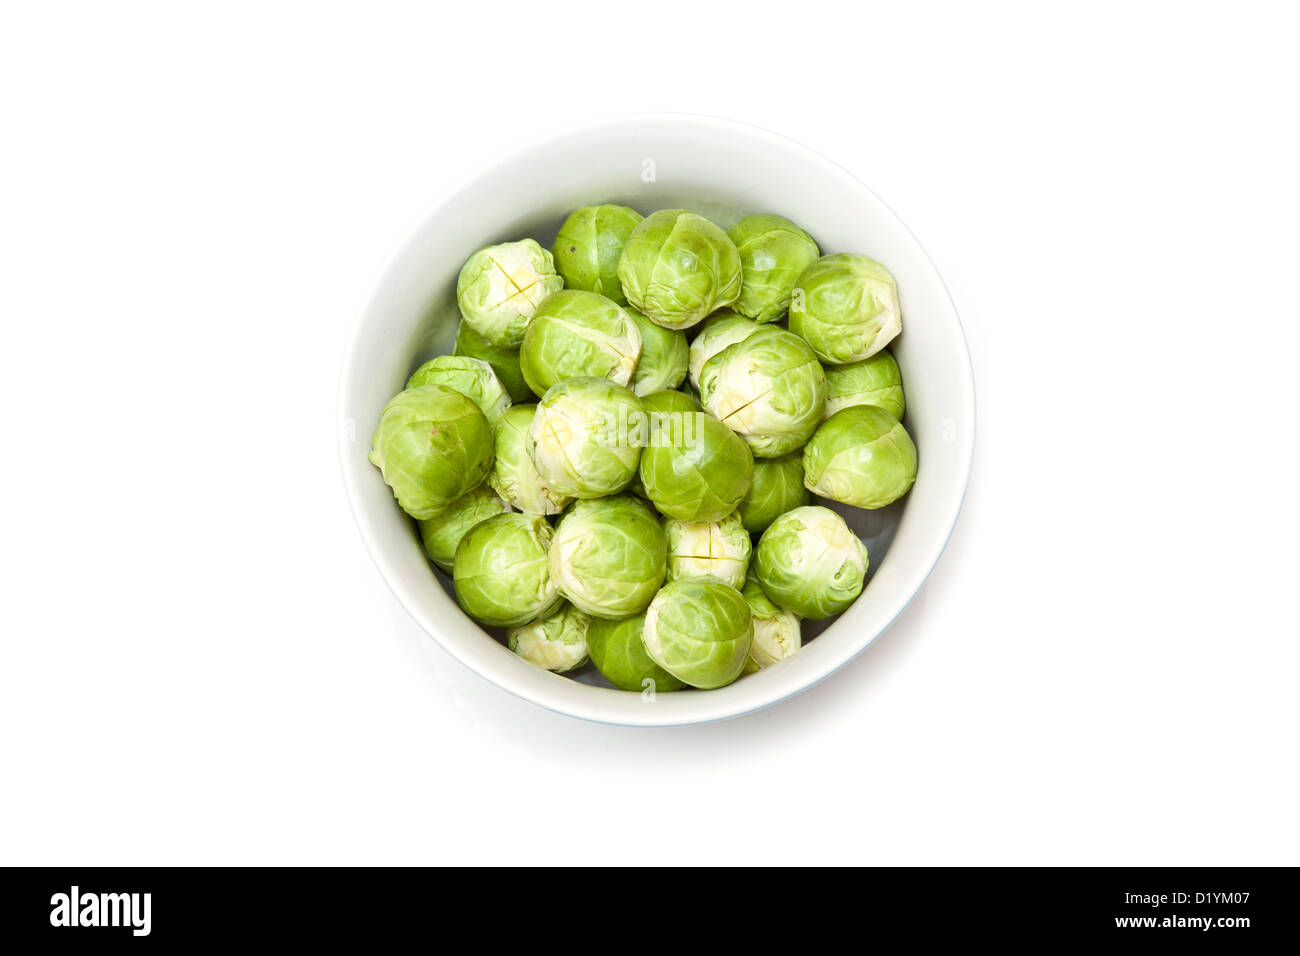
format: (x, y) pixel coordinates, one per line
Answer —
(135, 907)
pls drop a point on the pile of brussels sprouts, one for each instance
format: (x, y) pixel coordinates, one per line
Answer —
(616, 461)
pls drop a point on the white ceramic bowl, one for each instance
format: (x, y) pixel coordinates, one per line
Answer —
(724, 170)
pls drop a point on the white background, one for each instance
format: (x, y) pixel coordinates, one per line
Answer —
(201, 665)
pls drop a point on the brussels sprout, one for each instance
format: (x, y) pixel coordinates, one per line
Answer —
(500, 288)
(693, 468)
(557, 643)
(689, 391)
(846, 308)
(619, 654)
(636, 488)
(700, 631)
(777, 487)
(501, 574)
(442, 534)
(717, 549)
(432, 445)
(773, 254)
(776, 631)
(678, 267)
(584, 439)
(663, 356)
(472, 377)
(669, 418)
(589, 245)
(609, 556)
(862, 456)
(513, 475)
(578, 334)
(770, 388)
(719, 330)
(809, 562)
(874, 381)
(505, 362)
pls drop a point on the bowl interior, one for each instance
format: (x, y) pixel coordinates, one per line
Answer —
(724, 171)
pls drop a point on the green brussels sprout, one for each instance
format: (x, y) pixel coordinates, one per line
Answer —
(442, 534)
(500, 288)
(609, 556)
(846, 308)
(432, 445)
(472, 377)
(585, 438)
(576, 335)
(557, 643)
(809, 562)
(700, 631)
(716, 549)
(777, 488)
(588, 247)
(636, 488)
(718, 331)
(776, 631)
(689, 391)
(663, 356)
(874, 381)
(773, 254)
(505, 362)
(678, 267)
(862, 456)
(513, 475)
(501, 574)
(619, 654)
(668, 413)
(693, 468)
(770, 388)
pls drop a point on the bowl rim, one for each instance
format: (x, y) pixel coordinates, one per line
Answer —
(346, 442)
